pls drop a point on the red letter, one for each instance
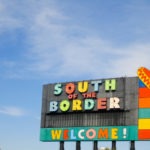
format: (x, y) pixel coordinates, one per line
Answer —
(66, 134)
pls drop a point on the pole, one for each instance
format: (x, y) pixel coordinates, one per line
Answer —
(95, 145)
(132, 145)
(114, 145)
(78, 147)
(61, 145)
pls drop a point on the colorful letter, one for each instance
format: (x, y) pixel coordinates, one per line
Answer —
(57, 89)
(79, 134)
(76, 105)
(72, 96)
(91, 133)
(102, 103)
(64, 105)
(96, 85)
(70, 88)
(73, 137)
(66, 134)
(53, 106)
(82, 86)
(114, 133)
(89, 104)
(114, 102)
(56, 134)
(110, 85)
(103, 133)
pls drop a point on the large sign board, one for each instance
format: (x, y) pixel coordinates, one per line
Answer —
(102, 109)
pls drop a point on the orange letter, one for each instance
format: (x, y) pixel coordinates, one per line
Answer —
(101, 103)
(103, 133)
(70, 88)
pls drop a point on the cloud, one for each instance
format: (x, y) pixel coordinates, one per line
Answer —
(59, 48)
(7, 20)
(131, 58)
(88, 56)
(12, 111)
(63, 49)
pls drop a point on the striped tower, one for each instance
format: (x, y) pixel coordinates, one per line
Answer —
(144, 104)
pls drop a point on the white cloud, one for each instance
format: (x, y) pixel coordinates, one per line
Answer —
(131, 59)
(12, 111)
(60, 48)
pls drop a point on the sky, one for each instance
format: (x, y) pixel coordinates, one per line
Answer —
(49, 41)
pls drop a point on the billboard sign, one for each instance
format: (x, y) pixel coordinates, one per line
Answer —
(101, 109)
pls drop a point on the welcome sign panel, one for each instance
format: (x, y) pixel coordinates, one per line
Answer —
(103, 109)
(104, 133)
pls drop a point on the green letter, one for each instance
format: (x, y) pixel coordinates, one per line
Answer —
(110, 85)
(57, 89)
(64, 105)
(88, 104)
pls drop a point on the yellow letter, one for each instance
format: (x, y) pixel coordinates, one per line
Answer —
(114, 132)
(82, 87)
(56, 134)
(76, 105)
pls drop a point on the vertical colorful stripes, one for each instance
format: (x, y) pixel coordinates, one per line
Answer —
(144, 112)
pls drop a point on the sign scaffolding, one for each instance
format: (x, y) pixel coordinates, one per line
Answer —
(115, 109)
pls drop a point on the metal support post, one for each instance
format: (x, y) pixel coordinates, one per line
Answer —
(114, 145)
(61, 145)
(95, 145)
(78, 147)
(132, 145)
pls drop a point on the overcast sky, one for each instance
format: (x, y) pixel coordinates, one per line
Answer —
(48, 41)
